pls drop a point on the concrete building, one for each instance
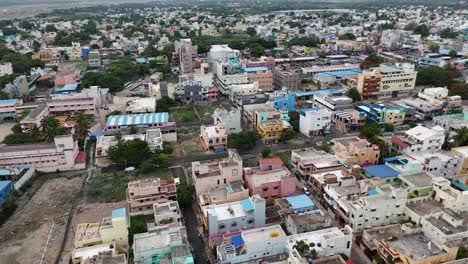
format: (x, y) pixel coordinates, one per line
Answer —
(406, 244)
(235, 216)
(348, 120)
(453, 194)
(6, 69)
(387, 81)
(255, 245)
(18, 175)
(112, 229)
(381, 207)
(166, 214)
(463, 153)
(213, 137)
(141, 194)
(61, 155)
(270, 180)
(267, 62)
(141, 105)
(332, 102)
(438, 163)
(241, 91)
(446, 227)
(185, 58)
(328, 242)
(208, 176)
(287, 78)
(233, 192)
(307, 222)
(261, 75)
(94, 59)
(452, 122)
(419, 138)
(355, 151)
(97, 253)
(168, 245)
(314, 121)
(307, 161)
(230, 119)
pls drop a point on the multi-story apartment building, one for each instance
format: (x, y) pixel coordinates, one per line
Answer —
(381, 207)
(141, 194)
(348, 120)
(261, 75)
(213, 137)
(61, 155)
(235, 216)
(285, 77)
(355, 151)
(309, 160)
(332, 102)
(240, 91)
(230, 119)
(208, 176)
(267, 62)
(419, 138)
(453, 193)
(185, 58)
(438, 163)
(380, 114)
(99, 254)
(110, 229)
(310, 221)
(462, 152)
(387, 81)
(314, 121)
(270, 180)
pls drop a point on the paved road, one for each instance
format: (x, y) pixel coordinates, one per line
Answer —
(199, 246)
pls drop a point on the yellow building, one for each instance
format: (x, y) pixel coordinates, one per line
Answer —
(110, 229)
(463, 152)
(351, 45)
(394, 116)
(356, 151)
(74, 54)
(270, 131)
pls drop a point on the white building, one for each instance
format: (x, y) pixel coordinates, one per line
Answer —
(224, 82)
(253, 245)
(231, 119)
(243, 90)
(452, 198)
(141, 105)
(383, 206)
(166, 214)
(327, 242)
(205, 80)
(6, 69)
(420, 138)
(235, 216)
(446, 227)
(439, 163)
(314, 121)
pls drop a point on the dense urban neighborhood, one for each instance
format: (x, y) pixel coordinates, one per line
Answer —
(231, 132)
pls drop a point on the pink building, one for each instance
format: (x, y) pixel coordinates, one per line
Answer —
(142, 194)
(270, 180)
(268, 62)
(209, 176)
(264, 80)
(63, 154)
(67, 79)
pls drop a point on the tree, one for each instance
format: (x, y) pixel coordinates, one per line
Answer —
(422, 30)
(163, 104)
(461, 136)
(448, 33)
(372, 61)
(256, 50)
(130, 152)
(388, 127)
(162, 160)
(433, 47)
(84, 123)
(435, 76)
(453, 53)
(185, 195)
(325, 146)
(347, 36)
(266, 151)
(353, 93)
(288, 135)
(301, 247)
(370, 130)
(243, 140)
(51, 128)
(251, 31)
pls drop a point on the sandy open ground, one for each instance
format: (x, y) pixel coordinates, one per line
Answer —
(5, 130)
(23, 237)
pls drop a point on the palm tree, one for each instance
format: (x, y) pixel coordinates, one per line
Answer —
(84, 123)
(50, 128)
(461, 136)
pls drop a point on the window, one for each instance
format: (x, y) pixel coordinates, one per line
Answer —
(373, 210)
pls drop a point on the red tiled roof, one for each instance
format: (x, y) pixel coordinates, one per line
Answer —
(399, 142)
(272, 161)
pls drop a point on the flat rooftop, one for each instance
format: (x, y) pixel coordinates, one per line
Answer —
(416, 246)
(420, 180)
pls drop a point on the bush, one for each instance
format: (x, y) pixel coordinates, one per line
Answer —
(266, 151)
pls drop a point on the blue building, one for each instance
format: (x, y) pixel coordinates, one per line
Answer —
(300, 203)
(66, 89)
(5, 190)
(285, 102)
(85, 53)
(375, 114)
(384, 172)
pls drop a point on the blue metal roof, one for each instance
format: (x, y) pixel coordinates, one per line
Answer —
(372, 192)
(8, 102)
(4, 184)
(67, 88)
(121, 212)
(254, 69)
(137, 119)
(247, 205)
(310, 93)
(300, 201)
(381, 171)
(237, 241)
(4, 172)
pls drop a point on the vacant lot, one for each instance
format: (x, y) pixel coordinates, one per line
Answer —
(111, 187)
(5, 130)
(23, 237)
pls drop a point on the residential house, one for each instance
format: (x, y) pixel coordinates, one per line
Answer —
(142, 194)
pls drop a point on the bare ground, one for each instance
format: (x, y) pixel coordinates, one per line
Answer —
(24, 236)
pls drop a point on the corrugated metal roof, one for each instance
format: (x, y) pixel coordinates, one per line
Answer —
(137, 119)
